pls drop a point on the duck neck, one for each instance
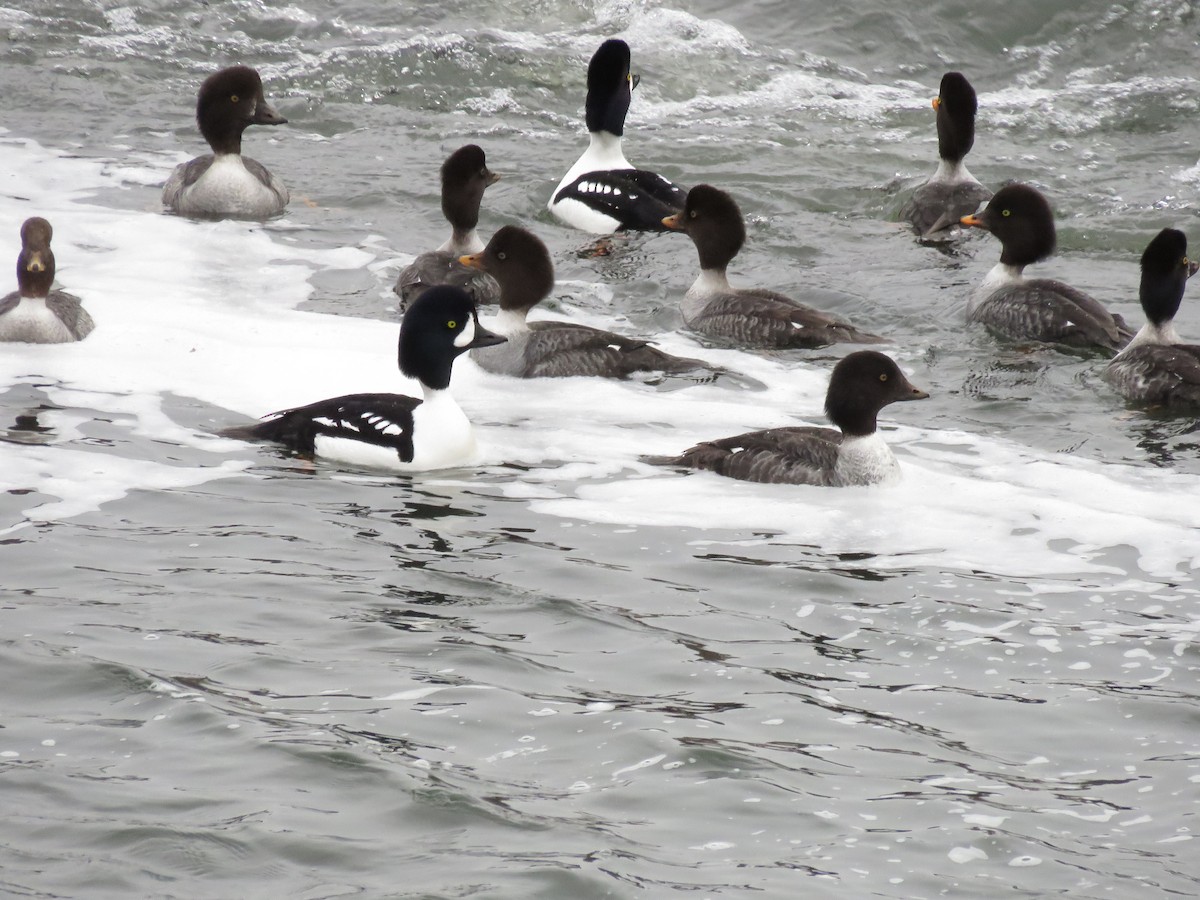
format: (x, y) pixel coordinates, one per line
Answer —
(1001, 275)
(509, 322)
(462, 241)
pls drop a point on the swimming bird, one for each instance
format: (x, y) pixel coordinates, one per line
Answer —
(862, 384)
(1156, 367)
(747, 316)
(602, 192)
(521, 265)
(394, 431)
(33, 313)
(936, 207)
(1037, 309)
(225, 183)
(465, 176)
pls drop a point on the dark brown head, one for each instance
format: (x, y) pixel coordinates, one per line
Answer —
(862, 384)
(956, 106)
(229, 101)
(465, 176)
(35, 264)
(1165, 271)
(1020, 217)
(521, 265)
(713, 221)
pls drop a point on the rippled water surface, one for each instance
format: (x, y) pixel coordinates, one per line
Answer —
(563, 673)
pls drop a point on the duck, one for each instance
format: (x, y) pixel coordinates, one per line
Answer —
(521, 265)
(33, 313)
(602, 193)
(750, 317)
(937, 207)
(465, 176)
(861, 384)
(394, 432)
(225, 184)
(1157, 368)
(1038, 309)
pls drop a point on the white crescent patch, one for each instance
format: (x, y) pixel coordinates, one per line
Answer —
(468, 334)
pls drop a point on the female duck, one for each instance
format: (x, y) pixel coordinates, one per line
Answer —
(465, 176)
(1157, 368)
(34, 313)
(225, 183)
(862, 384)
(935, 209)
(747, 316)
(1037, 309)
(520, 263)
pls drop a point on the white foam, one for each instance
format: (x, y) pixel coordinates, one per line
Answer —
(207, 310)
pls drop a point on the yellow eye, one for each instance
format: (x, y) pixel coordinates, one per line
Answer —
(1185, 261)
(452, 324)
(692, 214)
(883, 377)
(501, 255)
(1006, 212)
(233, 99)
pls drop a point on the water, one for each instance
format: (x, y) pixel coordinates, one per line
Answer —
(564, 673)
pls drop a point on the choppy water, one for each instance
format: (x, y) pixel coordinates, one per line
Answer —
(228, 672)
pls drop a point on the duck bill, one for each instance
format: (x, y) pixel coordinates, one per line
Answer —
(674, 223)
(492, 178)
(974, 221)
(484, 338)
(913, 392)
(266, 114)
(1192, 267)
(937, 101)
(472, 261)
(35, 263)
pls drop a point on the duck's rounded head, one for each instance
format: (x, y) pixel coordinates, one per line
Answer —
(1165, 271)
(713, 221)
(956, 106)
(229, 101)
(35, 263)
(465, 176)
(520, 263)
(610, 87)
(862, 384)
(1020, 217)
(440, 325)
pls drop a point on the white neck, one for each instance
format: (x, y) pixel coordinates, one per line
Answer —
(603, 153)
(953, 172)
(1154, 334)
(1000, 275)
(460, 243)
(510, 321)
(708, 284)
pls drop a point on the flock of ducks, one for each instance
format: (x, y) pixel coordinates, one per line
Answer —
(602, 193)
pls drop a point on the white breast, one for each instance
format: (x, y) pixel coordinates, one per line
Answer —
(33, 322)
(226, 188)
(866, 460)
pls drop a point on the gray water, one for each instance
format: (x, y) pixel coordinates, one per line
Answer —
(229, 672)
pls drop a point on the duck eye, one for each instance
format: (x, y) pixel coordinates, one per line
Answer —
(501, 255)
(1185, 261)
(1006, 212)
(452, 324)
(883, 377)
(692, 214)
(233, 99)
